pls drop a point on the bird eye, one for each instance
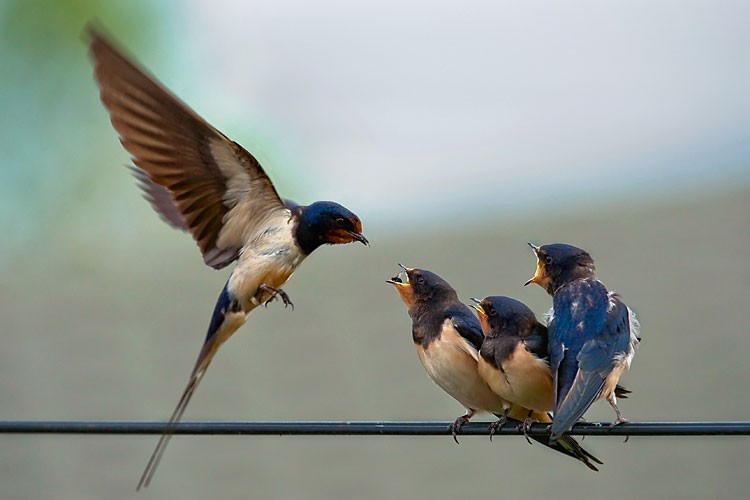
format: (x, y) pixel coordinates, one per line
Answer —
(340, 221)
(492, 312)
(420, 280)
(548, 260)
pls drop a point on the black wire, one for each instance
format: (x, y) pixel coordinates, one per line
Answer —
(366, 428)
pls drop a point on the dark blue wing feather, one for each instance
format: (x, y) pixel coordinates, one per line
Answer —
(588, 329)
(537, 342)
(583, 302)
(466, 323)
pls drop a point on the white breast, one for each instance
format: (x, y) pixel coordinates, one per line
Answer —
(451, 362)
(269, 258)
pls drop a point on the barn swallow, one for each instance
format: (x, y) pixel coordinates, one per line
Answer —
(514, 358)
(592, 334)
(448, 337)
(200, 181)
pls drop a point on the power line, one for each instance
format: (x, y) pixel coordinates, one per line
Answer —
(365, 428)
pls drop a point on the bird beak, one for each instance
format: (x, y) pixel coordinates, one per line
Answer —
(397, 281)
(477, 306)
(539, 275)
(403, 287)
(358, 237)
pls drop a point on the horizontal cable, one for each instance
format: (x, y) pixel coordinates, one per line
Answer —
(366, 428)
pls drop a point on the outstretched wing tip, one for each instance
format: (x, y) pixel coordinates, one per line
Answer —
(195, 177)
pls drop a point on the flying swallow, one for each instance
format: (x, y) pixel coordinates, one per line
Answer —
(200, 181)
(448, 337)
(514, 357)
(592, 334)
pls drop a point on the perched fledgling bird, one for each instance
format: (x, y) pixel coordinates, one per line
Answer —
(448, 337)
(199, 180)
(513, 356)
(513, 359)
(592, 334)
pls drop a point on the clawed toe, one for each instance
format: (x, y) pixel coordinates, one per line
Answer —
(455, 427)
(274, 293)
(618, 421)
(526, 427)
(497, 425)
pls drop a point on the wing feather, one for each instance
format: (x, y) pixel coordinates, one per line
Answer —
(588, 330)
(466, 324)
(212, 182)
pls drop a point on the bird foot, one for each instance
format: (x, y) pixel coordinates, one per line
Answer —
(525, 426)
(275, 292)
(455, 427)
(618, 421)
(497, 425)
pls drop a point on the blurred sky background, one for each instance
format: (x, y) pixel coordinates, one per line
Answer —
(457, 131)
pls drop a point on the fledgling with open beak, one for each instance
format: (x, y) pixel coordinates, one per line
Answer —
(592, 334)
(198, 180)
(448, 337)
(514, 358)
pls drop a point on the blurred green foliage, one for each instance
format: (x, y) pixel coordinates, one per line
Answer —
(52, 127)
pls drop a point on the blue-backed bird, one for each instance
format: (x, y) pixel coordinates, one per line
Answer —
(514, 357)
(200, 181)
(592, 334)
(448, 337)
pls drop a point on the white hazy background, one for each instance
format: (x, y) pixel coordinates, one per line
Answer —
(462, 106)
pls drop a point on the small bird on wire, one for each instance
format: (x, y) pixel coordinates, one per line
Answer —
(448, 338)
(514, 357)
(592, 334)
(198, 180)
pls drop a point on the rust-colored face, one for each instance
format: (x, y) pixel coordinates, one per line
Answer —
(541, 277)
(404, 289)
(341, 235)
(482, 316)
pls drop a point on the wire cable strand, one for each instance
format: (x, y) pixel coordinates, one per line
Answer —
(366, 428)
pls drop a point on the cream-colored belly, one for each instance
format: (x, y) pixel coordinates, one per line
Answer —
(525, 380)
(613, 378)
(451, 366)
(270, 260)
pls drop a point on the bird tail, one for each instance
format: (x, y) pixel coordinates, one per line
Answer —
(621, 392)
(195, 379)
(576, 402)
(566, 445)
(224, 323)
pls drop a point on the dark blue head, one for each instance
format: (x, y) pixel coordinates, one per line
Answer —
(422, 287)
(559, 264)
(505, 316)
(326, 222)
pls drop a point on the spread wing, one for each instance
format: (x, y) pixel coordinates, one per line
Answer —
(593, 327)
(221, 194)
(160, 200)
(466, 324)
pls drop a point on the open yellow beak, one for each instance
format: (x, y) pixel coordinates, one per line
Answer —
(397, 283)
(539, 275)
(396, 280)
(479, 309)
(404, 288)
